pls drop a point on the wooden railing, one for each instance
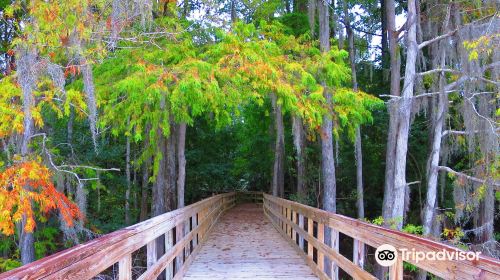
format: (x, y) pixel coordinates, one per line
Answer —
(190, 224)
(304, 228)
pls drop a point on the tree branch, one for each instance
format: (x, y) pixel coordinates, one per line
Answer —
(450, 33)
(433, 71)
(435, 39)
(468, 177)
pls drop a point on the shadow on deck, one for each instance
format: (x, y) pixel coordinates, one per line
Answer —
(245, 245)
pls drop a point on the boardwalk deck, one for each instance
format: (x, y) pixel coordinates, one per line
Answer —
(245, 245)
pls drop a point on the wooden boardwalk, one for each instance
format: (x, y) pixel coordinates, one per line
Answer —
(229, 239)
(244, 245)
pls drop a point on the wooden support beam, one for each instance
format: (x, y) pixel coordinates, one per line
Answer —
(396, 270)
(334, 241)
(301, 225)
(151, 254)
(169, 243)
(125, 268)
(310, 232)
(321, 239)
(294, 220)
(359, 253)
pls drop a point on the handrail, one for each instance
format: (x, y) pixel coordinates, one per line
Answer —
(298, 222)
(87, 260)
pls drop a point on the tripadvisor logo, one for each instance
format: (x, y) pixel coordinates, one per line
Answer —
(386, 255)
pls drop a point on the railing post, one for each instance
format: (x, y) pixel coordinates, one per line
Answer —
(195, 225)
(396, 270)
(169, 243)
(301, 225)
(294, 220)
(288, 228)
(179, 233)
(201, 218)
(283, 213)
(321, 238)
(187, 248)
(125, 268)
(359, 253)
(151, 255)
(335, 245)
(310, 231)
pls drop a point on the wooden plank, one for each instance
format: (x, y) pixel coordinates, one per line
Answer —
(125, 268)
(375, 236)
(244, 245)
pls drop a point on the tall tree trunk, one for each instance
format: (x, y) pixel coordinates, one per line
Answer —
(434, 157)
(395, 69)
(278, 184)
(159, 205)
(181, 179)
(88, 87)
(144, 190)
(27, 80)
(145, 179)
(185, 8)
(404, 114)
(181, 159)
(299, 143)
(300, 6)
(311, 12)
(288, 6)
(171, 169)
(392, 110)
(428, 222)
(234, 16)
(385, 48)
(433, 165)
(127, 174)
(327, 159)
(358, 248)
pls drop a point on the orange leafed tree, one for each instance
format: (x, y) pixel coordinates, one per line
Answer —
(27, 187)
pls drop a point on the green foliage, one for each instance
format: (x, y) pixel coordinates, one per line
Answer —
(8, 264)
(378, 221)
(413, 229)
(45, 241)
(410, 267)
(353, 109)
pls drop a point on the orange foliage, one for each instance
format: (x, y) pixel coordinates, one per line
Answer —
(25, 186)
